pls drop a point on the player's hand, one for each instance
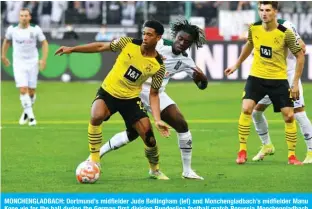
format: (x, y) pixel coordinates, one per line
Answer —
(42, 64)
(228, 71)
(162, 128)
(5, 61)
(295, 92)
(63, 50)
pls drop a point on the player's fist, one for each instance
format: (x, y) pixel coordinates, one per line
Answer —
(228, 71)
(5, 61)
(63, 50)
(42, 64)
(162, 128)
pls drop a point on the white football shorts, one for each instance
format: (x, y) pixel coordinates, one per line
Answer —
(164, 100)
(26, 74)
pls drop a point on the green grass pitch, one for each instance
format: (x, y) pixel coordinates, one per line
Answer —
(44, 158)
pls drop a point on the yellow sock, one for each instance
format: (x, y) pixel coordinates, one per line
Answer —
(291, 137)
(95, 140)
(152, 154)
(243, 130)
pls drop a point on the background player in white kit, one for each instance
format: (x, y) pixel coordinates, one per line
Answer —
(184, 35)
(260, 121)
(24, 37)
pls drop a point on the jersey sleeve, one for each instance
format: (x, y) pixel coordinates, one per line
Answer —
(8, 34)
(41, 37)
(249, 38)
(293, 28)
(158, 77)
(120, 43)
(291, 42)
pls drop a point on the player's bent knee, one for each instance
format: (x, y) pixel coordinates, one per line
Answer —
(150, 140)
(289, 117)
(247, 110)
(23, 90)
(97, 120)
(132, 135)
(182, 126)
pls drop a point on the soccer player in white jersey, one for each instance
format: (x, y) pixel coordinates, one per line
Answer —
(260, 121)
(26, 63)
(176, 61)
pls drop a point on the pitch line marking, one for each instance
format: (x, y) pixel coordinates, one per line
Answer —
(85, 122)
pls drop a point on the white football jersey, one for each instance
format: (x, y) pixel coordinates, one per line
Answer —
(24, 41)
(173, 63)
(291, 59)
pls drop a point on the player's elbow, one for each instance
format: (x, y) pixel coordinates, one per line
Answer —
(102, 47)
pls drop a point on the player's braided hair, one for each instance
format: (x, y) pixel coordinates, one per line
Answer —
(182, 24)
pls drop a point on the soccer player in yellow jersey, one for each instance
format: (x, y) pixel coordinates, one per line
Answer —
(270, 42)
(137, 61)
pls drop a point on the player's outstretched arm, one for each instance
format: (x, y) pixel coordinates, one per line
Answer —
(247, 49)
(5, 47)
(86, 48)
(155, 107)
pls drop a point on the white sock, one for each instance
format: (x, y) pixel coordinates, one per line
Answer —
(117, 141)
(261, 126)
(305, 127)
(33, 99)
(26, 104)
(185, 145)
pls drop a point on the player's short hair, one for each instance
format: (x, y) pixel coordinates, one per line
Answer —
(157, 26)
(273, 3)
(182, 24)
(26, 9)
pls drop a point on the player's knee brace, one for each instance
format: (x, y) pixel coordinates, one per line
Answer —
(150, 139)
(132, 135)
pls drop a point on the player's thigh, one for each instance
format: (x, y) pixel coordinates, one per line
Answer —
(135, 117)
(32, 73)
(280, 95)
(103, 106)
(173, 116)
(20, 77)
(255, 91)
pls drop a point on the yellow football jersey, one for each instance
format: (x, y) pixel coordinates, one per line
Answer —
(270, 50)
(132, 69)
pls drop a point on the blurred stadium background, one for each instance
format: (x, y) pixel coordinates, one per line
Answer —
(77, 22)
(44, 158)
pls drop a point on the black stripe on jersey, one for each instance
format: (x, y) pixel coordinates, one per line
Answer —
(281, 28)
(258, 23)
(137, 41)
(281, 21)
(158, 78)
(120, 44)
(159, 59)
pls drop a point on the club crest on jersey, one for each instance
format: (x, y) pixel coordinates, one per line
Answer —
(276, 41)
(31, 35)
(149, 68)
(179, 63)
